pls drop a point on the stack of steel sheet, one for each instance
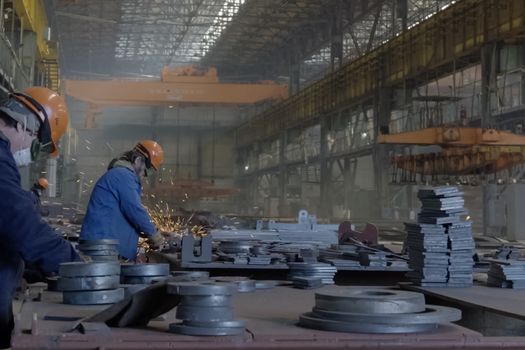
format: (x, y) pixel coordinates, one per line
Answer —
(375, 259)
(507, 274)
(90, 283)
(100, 249)
(143, 273)
(205, 309)
(461, 250)
(428, 254)
(307, 275)
(440, 245)
(375, 311)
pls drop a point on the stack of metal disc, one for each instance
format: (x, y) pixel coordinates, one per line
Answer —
(90, 283)
(244, 284)
(143, 273)
(311, 275)
(100, 249)
(187, 276)
(205, 309)
(375, 311)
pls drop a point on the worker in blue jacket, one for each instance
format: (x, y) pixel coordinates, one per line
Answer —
(30, 122)
(115, 210)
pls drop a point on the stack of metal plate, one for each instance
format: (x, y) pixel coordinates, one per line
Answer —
(143, 273)
(441, 245)
(205, 309)
(375, 259)
(461, 250)
(100, 249)
(304, 275)
(428, 254)
(237, 246)
(507, 253)
(90, 283)
(375, 311)
(507, 274)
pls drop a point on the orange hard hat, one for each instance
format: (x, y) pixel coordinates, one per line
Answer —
(152, 151)
(47, 103)
(42, 182)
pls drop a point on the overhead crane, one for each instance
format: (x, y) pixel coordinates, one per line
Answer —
(186, 85)
(464, 151)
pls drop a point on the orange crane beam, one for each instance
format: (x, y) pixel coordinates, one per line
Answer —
(185, 90)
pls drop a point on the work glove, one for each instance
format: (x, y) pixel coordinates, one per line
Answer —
(156, 240)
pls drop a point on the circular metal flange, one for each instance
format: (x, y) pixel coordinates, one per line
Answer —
(96, 247)
(310, 321)
(244, 284)
(141, 280)
(103, 258)
(94, 297)
(191, 275)
(267, 284)
(207, 300)
(106, 252)
(98, 242)
(201, 288)
(83, 269)
(370, 301)
(204, 313)
(432, 314)
(213, 331)
(143, 270)
(88, 283)
(217, 324)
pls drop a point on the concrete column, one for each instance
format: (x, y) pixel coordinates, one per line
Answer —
(51, 170)
(326, 205)
(382, 111)
(283, 173)
(28, 52)
(336, 48)
(295, 75)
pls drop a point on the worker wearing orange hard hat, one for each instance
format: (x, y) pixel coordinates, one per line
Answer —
(115, 210)
(31, 122)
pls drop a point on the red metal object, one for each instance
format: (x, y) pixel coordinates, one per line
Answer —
(369, 235)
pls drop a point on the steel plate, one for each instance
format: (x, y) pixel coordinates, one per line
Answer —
(189, 330)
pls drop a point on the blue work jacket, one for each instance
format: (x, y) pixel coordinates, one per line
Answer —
(115, 210)
(22, 229)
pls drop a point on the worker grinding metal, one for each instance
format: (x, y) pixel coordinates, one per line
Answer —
(115, 210)
(30, 123)
(38, 187)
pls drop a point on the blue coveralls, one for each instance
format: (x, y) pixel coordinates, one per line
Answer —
(115, 210)
(23, 237)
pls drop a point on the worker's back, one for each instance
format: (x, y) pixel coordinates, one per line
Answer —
(115, 211)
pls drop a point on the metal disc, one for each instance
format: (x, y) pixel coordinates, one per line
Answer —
(192, 275)
(370, 301)
(95, 297)
(140, 280)
(106, 252)
(88, 283)
(98, 241)
(95, 247)
(310, 321)
(82, 269)
(244, 284)
(433, 314)
(145, 270)
(204, 313)
(269, 284)
(201, 288)
(207, 300)
(189, 330)
(103, 258)
(217, 324)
